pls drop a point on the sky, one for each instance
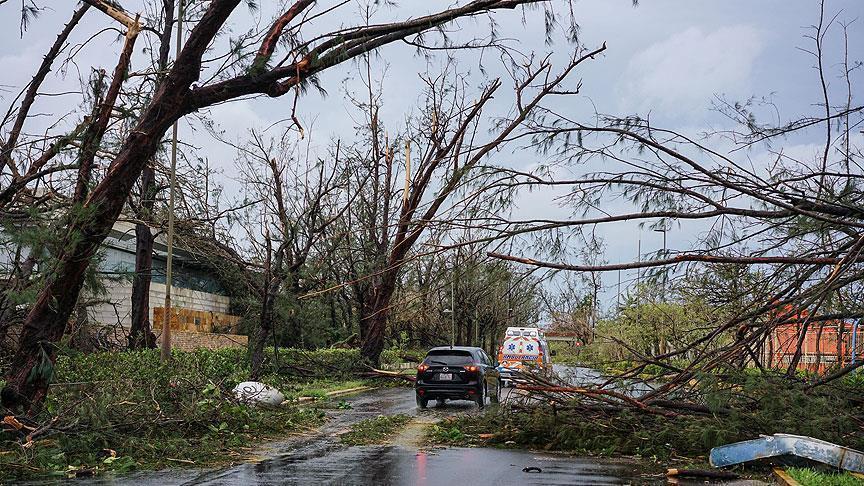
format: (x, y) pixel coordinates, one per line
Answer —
(665, 58)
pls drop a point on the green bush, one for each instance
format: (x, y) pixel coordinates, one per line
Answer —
(153, 414)
(334, 363)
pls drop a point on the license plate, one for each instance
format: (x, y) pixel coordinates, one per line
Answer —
(445, 376)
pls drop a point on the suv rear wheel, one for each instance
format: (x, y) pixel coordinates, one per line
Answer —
(422, 402)
(481, 397)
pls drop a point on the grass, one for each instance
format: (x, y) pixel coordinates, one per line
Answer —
(97, 439)
(319, 388)
(811, 477)
(374, 431)
(125, 411)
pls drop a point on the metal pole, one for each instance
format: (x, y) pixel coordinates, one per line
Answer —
(166, 323)
(664, 256)
(664, 242)
(639, 280)
(639, 260)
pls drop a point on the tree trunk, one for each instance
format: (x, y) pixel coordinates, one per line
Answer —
(373, 323)
(88, 228)
(262, 332)
(140, 335)
(373, 342)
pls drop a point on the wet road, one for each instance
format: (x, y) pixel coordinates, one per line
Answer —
(322, 459)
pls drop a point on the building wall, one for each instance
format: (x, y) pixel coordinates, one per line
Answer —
(119, 305)
(189, 341)
(819, 350)
(201, 314)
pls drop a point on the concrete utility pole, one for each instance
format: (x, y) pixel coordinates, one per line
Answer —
(166, 322)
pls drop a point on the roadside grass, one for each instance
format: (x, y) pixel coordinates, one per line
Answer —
(123, 411)
(319, 388)
(375, 430)
(812, 477)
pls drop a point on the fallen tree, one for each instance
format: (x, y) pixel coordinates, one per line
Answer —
(177, 95)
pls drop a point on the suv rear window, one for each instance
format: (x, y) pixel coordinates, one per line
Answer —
(450, 358)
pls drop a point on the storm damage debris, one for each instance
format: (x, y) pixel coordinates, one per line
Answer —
(778, 445)
(700, 473)
(255, 392)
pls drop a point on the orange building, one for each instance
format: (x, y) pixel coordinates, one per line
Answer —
(825, 344)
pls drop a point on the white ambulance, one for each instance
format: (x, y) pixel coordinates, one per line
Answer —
(523, 348)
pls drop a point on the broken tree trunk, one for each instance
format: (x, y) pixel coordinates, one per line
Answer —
(30, 371)
(94, 132)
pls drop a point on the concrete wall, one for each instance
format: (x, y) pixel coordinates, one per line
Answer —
(119, 305)
(188, 341)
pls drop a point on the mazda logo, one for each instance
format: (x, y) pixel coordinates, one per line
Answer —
(446, 369)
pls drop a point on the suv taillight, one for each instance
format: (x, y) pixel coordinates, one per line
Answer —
(423, 367)
(472, 368)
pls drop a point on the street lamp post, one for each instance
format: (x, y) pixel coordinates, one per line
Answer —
(662, 338)
(663, 230)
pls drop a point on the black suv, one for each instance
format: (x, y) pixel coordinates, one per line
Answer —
(457, 373)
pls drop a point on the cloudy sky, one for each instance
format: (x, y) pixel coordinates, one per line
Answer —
(667, 58)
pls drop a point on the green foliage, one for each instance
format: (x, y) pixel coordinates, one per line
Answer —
(154, 414)
(375, 430)
(447, 433)
(399, 353)
(811, 477)
(566, 353)
(336, 364)
(744, 407)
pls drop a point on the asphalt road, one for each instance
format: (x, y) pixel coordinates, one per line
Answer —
(322, 459)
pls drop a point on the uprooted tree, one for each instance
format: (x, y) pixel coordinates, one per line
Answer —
(243, 73)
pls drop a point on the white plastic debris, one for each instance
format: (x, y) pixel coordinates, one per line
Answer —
(256, 392)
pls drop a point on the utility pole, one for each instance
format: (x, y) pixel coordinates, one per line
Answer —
(663, 341)
(663, 230)
(639, 280)
(166, 323)
(639, 260)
